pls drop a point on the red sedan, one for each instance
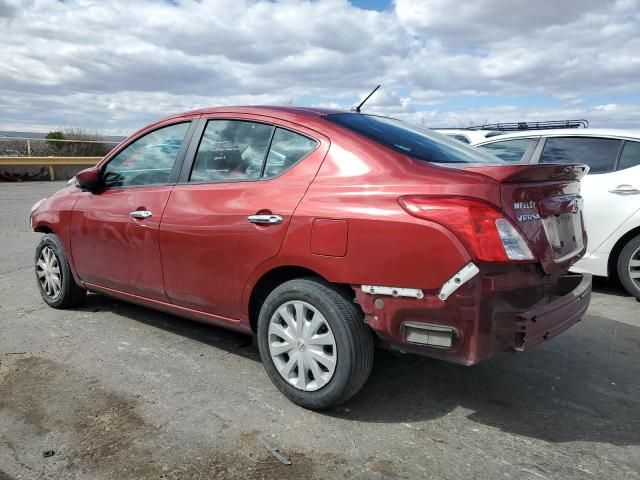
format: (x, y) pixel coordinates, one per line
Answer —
(320, 232)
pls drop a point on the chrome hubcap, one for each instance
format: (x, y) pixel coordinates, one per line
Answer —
(634, 268)
(48, 271)
(302, 346)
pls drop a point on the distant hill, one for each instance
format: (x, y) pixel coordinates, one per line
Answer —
(5, 133)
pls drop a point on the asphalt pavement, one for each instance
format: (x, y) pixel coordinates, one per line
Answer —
(116, 391)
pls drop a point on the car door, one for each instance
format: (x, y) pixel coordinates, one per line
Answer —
(114, 229)
(232, 208)
(607, 191)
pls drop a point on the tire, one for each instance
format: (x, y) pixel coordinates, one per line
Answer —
(329, 317)
(630, 253)
(53, 275)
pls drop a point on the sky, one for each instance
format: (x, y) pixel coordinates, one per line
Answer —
(114, 66)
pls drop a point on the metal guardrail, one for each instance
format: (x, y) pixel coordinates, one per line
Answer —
(49, 162)
(30, 145)
(49, 154)
(68, 140)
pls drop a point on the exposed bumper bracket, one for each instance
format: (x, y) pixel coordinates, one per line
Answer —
(465, 274)
(393, 291)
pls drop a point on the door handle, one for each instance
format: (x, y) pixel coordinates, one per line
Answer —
(140, 214)
(265, 219)
(625, 189)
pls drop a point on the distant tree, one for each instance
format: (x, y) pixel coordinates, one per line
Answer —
(55, 135)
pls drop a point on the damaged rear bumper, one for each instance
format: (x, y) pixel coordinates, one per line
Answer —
(546, 321)
(497, 310)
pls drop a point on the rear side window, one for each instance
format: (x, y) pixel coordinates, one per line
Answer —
(630, 155)
(238, 150)
(231, 150)
(599, 153)
(411, 140)
(510, 151)
(287, 149)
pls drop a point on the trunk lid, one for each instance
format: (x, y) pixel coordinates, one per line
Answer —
(544, 202)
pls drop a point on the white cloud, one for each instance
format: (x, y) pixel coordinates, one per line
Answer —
(117, 65)
(610, 115)
(489, 21)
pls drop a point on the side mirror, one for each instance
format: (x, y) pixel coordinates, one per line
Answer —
(88, 179)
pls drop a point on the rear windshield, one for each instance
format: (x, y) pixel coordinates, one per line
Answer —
(417, 142)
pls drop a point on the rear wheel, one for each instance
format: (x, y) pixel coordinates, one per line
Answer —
(55, 281)
(629, 267)
(314, 343)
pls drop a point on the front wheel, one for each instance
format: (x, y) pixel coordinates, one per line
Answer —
(629, 267)
(55, 281)
(314, 343)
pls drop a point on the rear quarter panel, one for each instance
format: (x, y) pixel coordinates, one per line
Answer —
(360, 183)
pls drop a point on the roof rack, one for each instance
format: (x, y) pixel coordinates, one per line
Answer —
(516, 126)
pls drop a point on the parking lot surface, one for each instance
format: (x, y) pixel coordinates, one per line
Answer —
(116, 391)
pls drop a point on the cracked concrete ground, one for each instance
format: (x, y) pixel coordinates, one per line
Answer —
(118, 391)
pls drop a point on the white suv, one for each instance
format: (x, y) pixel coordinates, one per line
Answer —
(611, 190)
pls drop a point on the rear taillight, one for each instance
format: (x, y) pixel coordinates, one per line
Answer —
(515, 245)
(485, 231)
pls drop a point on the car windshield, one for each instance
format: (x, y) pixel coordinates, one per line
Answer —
(417, 142)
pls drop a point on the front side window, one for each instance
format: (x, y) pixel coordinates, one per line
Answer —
(599, 153)
(148, 160)
(419, 143)
(231, 150)
(510, 151)
(287, 149)
(630, 155)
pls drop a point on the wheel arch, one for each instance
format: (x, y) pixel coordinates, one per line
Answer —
(612, 269)
(42, 228)
(62, 233)
(276, 276)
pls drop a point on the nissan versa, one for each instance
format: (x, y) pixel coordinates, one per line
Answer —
(322, 232)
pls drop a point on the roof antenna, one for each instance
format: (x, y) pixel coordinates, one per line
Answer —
(357, 109)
